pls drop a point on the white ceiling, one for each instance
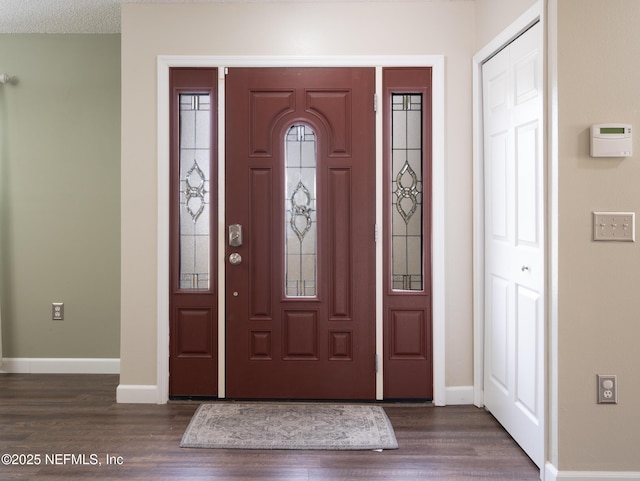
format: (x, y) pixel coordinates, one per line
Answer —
(68, 16)
(83, 16)
(59, 16)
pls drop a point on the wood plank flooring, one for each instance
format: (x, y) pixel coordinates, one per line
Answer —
(46, 417)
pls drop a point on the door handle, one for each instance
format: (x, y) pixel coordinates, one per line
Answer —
(235, 235)
(235, 258)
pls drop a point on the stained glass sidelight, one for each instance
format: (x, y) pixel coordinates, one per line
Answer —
(195, 144)
(406, 180)
(300, 212)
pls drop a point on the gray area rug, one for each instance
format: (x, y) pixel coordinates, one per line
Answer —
(289, 426)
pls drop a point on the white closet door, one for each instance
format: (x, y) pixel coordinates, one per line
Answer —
(514, 240)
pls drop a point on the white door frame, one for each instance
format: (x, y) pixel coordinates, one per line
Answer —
(438, 203)
(526, 20)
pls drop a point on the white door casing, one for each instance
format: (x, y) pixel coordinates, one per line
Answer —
(514, 240)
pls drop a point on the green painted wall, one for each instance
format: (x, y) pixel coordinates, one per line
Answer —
(60, 195)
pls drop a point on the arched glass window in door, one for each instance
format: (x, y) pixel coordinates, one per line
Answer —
(300, 212)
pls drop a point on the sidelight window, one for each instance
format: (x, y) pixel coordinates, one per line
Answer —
(195, 145)
(300, 212)
(407, 184)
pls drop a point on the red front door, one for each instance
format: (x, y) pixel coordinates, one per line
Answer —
(300, 209)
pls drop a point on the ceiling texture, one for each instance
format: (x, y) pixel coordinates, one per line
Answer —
(68, 16)
(60, 16)
(86, 16)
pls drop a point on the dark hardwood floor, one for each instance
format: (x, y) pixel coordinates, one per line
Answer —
(45, 417)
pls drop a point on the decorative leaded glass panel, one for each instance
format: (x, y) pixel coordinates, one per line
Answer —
(407, 213)
(300, 212)
(195, 144)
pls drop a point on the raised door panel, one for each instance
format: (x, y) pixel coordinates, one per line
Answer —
(340, 345)
(499, 332)
(340, 255)
(260, 233)
(300, 335)
(528, 184)
(408, 335)
(267, 107)
(261, 347)
(334, 110)
(498, 188)
(528, 343)
(193, 333)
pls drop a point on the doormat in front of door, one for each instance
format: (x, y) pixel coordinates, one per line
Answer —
(289, 426)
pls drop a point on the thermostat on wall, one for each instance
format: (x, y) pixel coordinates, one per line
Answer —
(611, 140)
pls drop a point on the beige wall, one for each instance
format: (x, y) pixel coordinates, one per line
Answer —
(60, 195)
(360, 28)
(493, 16)
(599, 303)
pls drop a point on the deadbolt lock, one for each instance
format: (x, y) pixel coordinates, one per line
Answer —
(235, 235)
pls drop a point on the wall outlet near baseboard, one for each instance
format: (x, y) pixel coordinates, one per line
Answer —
(57, 311)
(607, 389)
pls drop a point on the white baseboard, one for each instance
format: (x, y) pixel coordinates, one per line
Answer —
(552, 474)
(458, 395)
(24, 365)
(137, 394)
(148, 394)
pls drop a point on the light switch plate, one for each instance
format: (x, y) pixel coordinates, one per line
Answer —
(614, 226)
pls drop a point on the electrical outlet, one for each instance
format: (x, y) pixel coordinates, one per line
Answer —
(614, 226)
(607, 389)
(57, 311)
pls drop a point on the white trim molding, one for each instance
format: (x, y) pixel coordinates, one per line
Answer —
(552, 474)
(459, 395)
(164, 63)
(24, 365)
(137, 394)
